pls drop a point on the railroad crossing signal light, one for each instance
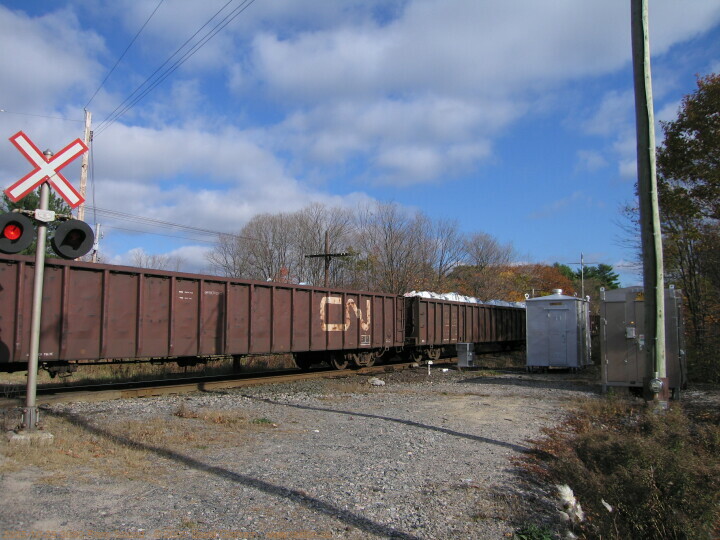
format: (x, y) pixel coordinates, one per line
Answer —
(73, 239)
(16, 233)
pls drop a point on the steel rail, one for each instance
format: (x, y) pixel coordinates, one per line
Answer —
(140, 389)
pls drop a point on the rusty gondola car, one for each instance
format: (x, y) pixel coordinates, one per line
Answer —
(434, 326)
(98, 313)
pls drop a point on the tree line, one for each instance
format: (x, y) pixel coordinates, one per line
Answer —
(390, 249)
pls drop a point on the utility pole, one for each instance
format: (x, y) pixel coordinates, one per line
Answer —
(84, 166)
(655, 382)
(96, 243)
(328, 256)
(582, 264)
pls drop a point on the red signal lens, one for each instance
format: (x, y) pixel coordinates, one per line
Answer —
(12, 231)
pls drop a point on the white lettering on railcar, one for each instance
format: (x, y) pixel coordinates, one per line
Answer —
(189, 293)
(350, 308)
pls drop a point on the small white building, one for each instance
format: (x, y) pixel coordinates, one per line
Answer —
(558, 332)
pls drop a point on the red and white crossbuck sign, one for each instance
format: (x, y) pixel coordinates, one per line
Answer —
(46, 170)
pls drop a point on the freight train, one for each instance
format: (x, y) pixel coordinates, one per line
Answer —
(98, 313)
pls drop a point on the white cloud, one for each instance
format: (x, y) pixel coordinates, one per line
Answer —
(590, 160)
(394, 91)
(470, 82)
(577, 198)
(466, 47)
(625, 147)
(403, 141)
(669, 111)
(229, 157)
(46, 61)
(613, 114)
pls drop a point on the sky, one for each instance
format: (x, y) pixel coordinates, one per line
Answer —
(515, 118)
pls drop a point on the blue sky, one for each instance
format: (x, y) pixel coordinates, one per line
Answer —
(516, 118)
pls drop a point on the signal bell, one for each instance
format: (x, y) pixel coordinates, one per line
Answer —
(16, 233)
(73, 239)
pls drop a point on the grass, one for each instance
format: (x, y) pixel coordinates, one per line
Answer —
(264, 422)
(659, 472)
(74, 448)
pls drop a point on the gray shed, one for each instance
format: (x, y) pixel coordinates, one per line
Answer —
(558, 332)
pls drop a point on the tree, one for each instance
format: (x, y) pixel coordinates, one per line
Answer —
(392, 241)
(31, 202)
(689, 191)
(565, 270)
(311, 224)
(535, 280)
(479, 276)
(274, 246)
(603, 273)
(229, 257)
(268, 240)
(141, 259)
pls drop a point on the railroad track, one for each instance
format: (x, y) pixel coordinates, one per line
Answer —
(110, 391)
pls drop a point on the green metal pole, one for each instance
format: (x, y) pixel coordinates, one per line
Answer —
(655, 382)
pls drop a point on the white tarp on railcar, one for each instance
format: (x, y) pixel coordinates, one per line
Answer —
(455, 297)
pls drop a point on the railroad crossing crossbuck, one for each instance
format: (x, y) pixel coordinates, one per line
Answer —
(46, 169)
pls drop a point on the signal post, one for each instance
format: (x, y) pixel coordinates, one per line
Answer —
(72, 239)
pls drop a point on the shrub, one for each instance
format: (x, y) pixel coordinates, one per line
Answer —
(660, 473)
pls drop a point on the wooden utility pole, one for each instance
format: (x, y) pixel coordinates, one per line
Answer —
(328, 256)
(84, 166)
(655, 382)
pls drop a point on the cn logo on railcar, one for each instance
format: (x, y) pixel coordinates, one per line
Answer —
(351, 308)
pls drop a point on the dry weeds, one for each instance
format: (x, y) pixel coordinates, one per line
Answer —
(124, 449)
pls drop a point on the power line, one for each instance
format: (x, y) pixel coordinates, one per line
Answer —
(144, 231)
(170, 70)
(157, 223)
(130, 102)
(41, 116)
(124, 52)
(149, 78)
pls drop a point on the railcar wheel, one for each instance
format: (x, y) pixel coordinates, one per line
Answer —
(338, 361)
(361, 360)
(433, 354)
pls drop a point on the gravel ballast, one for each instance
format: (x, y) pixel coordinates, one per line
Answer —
(422, 456)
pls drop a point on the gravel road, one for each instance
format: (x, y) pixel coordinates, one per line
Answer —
(422, 456)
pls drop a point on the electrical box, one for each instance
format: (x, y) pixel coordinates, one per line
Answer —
(622, 338)
(465, 354)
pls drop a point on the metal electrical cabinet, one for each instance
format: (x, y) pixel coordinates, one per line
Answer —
(622, 338)
(558, 332)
